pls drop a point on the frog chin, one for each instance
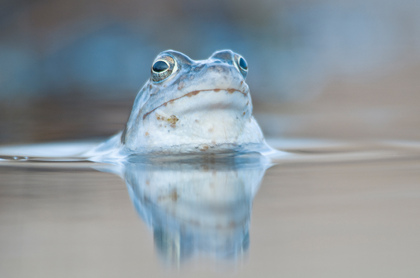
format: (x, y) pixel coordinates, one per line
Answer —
(205, 121)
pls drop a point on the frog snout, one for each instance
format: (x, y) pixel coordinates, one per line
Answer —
(222, 69)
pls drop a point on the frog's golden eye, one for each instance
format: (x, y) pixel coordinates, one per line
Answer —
(242, 65)
(162, 68)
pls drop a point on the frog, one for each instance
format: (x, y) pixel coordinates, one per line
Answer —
(190, 106)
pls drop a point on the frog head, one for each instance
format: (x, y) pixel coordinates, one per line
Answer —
(193, 106)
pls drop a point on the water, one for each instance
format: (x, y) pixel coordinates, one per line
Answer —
(320, 209)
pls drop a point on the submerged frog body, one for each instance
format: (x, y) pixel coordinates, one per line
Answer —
(190, 106)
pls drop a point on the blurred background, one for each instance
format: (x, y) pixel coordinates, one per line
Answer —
(318, 69)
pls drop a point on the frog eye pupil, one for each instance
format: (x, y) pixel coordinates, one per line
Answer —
(243, 64)
(160, 66)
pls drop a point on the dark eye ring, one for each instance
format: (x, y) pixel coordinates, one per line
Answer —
(162, 68)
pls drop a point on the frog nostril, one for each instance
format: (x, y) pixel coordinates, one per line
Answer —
(198, 68)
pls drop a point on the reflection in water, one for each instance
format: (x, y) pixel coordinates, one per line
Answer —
(197, 206)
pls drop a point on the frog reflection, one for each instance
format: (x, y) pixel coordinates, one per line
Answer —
(200, 206)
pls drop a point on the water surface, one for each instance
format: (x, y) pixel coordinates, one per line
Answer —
(326, 209)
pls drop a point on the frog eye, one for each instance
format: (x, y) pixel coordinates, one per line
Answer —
(242, 65)
(162, 68)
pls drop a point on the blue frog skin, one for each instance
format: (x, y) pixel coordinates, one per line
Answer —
(189, 106)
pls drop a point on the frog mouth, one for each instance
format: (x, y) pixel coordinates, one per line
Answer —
(194, 93)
